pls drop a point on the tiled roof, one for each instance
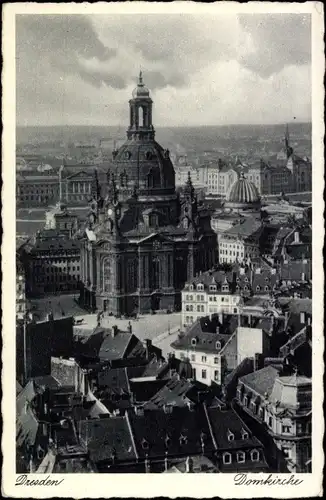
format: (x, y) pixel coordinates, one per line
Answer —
(248, 227)
(225, 421)
(203, 331)
(261, 381)
(176, 393)
(27, 425)
(157, 431)
(103, 344)
(107, 436)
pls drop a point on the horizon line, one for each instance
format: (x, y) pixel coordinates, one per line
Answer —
(175, 126)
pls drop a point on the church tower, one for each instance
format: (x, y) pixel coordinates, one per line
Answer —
(140, 107)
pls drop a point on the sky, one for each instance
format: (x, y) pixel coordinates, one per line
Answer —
(201, 69)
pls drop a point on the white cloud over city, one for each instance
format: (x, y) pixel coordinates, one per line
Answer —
(201, 69)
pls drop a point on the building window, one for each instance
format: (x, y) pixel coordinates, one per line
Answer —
(204, 374)
(241, 457)
(254, 456)
(244, 434)
(227, 458)
(230, 436)
(204, 359)
(218, 345)
(216, 360)
(270, 422)
(258, 288)
(286, 429)
(193, 341)
(216, 375)
(193, 357)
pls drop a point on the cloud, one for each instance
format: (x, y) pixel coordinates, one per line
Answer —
(200, 69)
(62, 40)
(275, 42)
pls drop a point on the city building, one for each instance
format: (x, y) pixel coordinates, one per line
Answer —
(36, 342)
(241, 242)
(196, 174)
(210, 293)
(142, 242)
(283, 404)
(53, 261)
(21, 302)
(220, 178)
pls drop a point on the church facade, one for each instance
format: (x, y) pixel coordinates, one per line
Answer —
(142, 241)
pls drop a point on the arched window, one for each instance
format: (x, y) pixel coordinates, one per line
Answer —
(140, 116)
(185, 223)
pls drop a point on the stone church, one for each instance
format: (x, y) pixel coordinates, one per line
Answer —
(142, 241)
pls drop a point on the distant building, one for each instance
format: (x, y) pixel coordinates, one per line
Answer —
(21, 302)
(53, 261)
(220, 178)
(283, 404)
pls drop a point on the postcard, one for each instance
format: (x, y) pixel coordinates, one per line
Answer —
(163, 192)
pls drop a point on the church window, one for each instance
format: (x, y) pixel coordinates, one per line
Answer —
(140, 116)
(185, 223)
(148, 155)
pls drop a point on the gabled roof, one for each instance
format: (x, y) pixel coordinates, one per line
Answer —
(261, 381)
(224, 422)
(177, 432)
(203, 332)
(108, 436)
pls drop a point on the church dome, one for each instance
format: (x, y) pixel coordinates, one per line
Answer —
(243, 194)
(141, 90)
(243, 191)
(141, 164)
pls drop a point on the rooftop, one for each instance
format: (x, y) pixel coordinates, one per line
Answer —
(261, 381)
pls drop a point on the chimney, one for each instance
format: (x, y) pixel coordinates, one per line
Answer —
(147, 343)
(302, 318)
(189, 465)
(296, 237)
(114, 331)
(166, 463)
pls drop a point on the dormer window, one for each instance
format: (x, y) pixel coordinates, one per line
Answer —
(238, 280)
(200, 287)
(191, 287)
(254, 456)
(230, 436)
(225, 288)
(227, 458)
(145, 444)
(258, 288)
(218, 345)
(267, 279)
(212, 288)
(244, 434)
(183, 439)
(193, 342)
(266, 288)
(246, 279)
(241, 457)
